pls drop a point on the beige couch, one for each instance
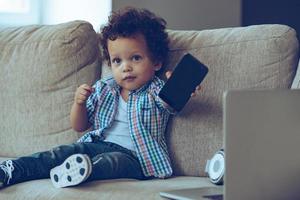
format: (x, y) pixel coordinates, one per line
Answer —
(41, 66)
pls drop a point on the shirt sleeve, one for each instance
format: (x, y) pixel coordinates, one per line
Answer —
(160, 103)
(91, 103)
(167, 106)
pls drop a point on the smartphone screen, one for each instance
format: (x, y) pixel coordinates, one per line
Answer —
(187, 75)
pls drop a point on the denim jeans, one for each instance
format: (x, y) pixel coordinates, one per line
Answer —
(109, 161)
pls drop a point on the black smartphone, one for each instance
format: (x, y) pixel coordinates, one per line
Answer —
(187, 75)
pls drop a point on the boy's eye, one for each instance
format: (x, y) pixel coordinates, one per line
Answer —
(116, 60)
(136, 57)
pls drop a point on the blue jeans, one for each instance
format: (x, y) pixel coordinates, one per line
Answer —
(109, 161)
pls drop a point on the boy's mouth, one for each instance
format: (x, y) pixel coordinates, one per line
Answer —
(129, 78)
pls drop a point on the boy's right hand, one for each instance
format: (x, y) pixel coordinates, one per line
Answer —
(82, 93)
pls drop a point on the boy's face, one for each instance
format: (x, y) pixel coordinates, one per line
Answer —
(131, 64)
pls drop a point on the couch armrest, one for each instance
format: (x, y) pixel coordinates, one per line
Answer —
(40, 68)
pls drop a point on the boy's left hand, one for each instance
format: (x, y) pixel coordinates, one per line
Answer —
(198, 88)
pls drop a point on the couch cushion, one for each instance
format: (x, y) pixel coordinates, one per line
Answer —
(106, 189)
(40, 68)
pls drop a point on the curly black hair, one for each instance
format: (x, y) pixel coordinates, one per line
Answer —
(130, 21)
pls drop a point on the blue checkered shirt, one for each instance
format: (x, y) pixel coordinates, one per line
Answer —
(147, 118)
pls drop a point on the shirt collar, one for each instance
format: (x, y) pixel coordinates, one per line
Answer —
(116, 88)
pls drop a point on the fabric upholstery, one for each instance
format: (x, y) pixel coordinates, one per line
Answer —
(40, 68)
(102, 190)
(262, 56)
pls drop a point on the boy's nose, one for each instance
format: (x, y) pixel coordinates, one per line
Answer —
(126, 67)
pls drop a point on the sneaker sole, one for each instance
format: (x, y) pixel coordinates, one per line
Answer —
(74, 170)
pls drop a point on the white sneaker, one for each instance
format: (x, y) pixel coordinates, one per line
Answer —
(7, 167)
(74, 170)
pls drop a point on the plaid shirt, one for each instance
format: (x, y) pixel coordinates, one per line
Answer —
(147, 118)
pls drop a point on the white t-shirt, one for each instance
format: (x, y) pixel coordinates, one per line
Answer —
(118, 133)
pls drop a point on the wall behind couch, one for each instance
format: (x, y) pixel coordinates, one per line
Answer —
(191, 14)
(27, 12)
(187, 14)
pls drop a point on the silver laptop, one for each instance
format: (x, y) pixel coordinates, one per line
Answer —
(262, 144)
(262, 148)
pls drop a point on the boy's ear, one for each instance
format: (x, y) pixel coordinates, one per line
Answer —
(157, 66)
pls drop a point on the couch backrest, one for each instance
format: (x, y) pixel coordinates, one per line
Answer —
(40, 68)
(264, 56)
